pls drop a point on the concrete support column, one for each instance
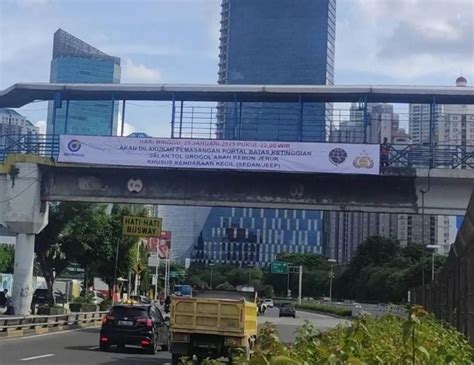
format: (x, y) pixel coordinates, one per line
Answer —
(23, 212)
(23, 273)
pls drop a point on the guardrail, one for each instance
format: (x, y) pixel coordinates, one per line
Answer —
(14, 326)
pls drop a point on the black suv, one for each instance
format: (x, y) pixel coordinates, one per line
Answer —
(41, 297)
(137, 324)
(287, 310)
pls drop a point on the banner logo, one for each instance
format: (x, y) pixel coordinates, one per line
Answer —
(337, 156)
(363, 161)
(74, 145)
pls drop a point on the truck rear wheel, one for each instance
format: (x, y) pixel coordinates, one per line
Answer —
(175, 359)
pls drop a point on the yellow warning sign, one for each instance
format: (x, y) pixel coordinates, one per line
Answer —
(141, 226)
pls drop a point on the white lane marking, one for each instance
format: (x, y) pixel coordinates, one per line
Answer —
(36, 357)
(93, 348)
(45, 334)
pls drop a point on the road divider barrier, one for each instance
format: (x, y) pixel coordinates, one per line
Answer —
(18, 326)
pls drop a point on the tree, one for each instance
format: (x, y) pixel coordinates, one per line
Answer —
(315, 275)
(106, 252)
(7, 258)
(382, 270)
(84, 234)
(49, 248)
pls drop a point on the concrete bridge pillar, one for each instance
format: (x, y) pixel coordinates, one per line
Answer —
(22, 211)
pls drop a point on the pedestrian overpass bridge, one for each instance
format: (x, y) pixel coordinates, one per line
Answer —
(429, 179)
(397, 190)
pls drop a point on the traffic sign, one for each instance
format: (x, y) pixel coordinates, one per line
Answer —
(141, 226)
(279, 267)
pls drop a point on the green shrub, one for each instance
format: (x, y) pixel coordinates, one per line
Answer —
(419, 339)
(105, 304)
(88, 299)
(343, 312)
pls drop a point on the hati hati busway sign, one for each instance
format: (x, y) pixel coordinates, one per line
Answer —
(141, 226)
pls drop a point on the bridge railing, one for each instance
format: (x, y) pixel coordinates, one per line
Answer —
(401, 155)
(45, 145)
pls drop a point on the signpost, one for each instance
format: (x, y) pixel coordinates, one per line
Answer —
(138, 227)
(279, 267)
(141, 226)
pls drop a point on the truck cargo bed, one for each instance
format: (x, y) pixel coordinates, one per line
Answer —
(229, 317)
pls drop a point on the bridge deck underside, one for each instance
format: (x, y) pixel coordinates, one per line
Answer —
(393, 194)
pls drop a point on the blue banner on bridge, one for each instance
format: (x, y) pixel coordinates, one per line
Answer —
(214, 154)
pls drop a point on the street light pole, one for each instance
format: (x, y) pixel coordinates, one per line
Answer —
(115, 271)
(300, 284)
(432, 266)
(135, 291)
(433, 247)
(331, 275)
(212, 267)
(288, 284)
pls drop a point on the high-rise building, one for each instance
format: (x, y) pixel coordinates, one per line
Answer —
(456, 126)
(276, 42)
(75, 61)
(344, 231)
(419, 125)
(12, 122)
(265, 42)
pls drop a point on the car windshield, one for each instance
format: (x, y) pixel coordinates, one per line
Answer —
(130, 312)
(41, 291)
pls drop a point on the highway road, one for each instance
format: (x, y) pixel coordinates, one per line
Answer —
(81, 346)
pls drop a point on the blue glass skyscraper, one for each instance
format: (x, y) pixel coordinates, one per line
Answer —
(75, 61)
(270, 42)
(276, 42)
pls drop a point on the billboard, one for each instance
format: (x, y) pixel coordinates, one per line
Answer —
(303, 157)
(161, 243)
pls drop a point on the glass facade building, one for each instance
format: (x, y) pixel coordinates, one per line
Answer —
(268, 42)
(255, 236)
(281, 43)
(75, 61)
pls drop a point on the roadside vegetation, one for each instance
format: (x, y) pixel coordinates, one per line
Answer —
(321, 308)
(87, 235)
(418, 340)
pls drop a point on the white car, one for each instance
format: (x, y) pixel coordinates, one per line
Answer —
(268, 303)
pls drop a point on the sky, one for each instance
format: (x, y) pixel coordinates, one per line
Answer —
(379, 42)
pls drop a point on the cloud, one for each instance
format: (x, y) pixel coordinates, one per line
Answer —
(407, 40)
(135, 72)
(31, 3)
(41, 124)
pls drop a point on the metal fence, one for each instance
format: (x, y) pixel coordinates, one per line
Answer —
(451, 295)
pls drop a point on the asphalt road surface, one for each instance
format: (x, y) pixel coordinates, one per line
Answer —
(81, 346)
